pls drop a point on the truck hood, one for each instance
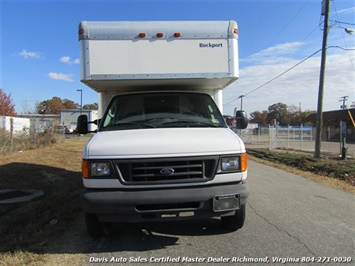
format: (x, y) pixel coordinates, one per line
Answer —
(162, 142)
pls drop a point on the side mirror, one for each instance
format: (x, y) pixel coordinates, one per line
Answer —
(242, 119)
(82, 124)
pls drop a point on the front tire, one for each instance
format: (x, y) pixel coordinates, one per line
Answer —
(94, 227)
(236, 221)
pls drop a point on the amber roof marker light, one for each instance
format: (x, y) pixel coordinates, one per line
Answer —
(160, 34)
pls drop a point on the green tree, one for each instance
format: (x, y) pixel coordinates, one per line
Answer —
(294, 115)
(259, 118)
(285, 115)
(305, 114)
(279, 112)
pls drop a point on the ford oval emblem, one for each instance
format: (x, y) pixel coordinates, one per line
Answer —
(167, 171)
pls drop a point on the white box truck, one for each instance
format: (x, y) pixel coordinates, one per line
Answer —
(162, 150)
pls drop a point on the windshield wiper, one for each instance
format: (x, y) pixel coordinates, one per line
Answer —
(125, 124)
(189, 123)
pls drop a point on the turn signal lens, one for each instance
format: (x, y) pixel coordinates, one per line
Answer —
(142, 35)
(160, 34)
(243, 162)
(85, 169)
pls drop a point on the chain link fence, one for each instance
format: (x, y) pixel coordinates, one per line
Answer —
(301, 138)
(13, 139)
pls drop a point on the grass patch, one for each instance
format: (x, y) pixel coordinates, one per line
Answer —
(329, 170)
(30, 259)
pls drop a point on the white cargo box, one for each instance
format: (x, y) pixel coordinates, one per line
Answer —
(121, 56)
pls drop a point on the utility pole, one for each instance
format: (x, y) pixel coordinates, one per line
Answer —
(319, 123)
(300, 113)
(81, 104)
(241, 101)
(81, 101)
(344, 99)
(343, 149)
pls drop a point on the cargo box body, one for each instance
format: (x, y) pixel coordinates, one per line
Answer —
(119, 57)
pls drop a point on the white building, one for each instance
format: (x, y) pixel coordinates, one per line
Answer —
(41, 122)
(14, 124)
(68, 118)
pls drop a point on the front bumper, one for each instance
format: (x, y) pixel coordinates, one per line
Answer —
(161, 204)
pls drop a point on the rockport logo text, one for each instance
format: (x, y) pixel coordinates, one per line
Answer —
(210, 45)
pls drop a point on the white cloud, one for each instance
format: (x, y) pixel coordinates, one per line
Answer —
(298, 86)
(347, 10)
(65, 59)
(60, 76)
(68, 60)
(273, 54)
(27, 54)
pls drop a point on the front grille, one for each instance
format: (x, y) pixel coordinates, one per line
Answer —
(166, 170)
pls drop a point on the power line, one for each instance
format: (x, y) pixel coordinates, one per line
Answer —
(282, 30)
(283, 72)
(342, 48)
(319, 25)
(340, 22)
(292, 19)
(276, 76)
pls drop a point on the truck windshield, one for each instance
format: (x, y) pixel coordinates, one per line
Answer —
(161, 110)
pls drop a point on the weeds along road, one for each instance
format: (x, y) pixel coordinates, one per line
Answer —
(288, 217)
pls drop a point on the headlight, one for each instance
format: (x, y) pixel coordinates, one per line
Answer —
(230, 163)
(100, 169)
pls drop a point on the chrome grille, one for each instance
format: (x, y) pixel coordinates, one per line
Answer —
(167, 170)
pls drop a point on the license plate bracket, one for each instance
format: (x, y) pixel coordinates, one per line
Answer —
(226, 203)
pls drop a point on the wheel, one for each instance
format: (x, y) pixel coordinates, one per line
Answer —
(235, 221)
(94, 227)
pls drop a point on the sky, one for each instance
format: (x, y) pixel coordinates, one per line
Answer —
(40, 48)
